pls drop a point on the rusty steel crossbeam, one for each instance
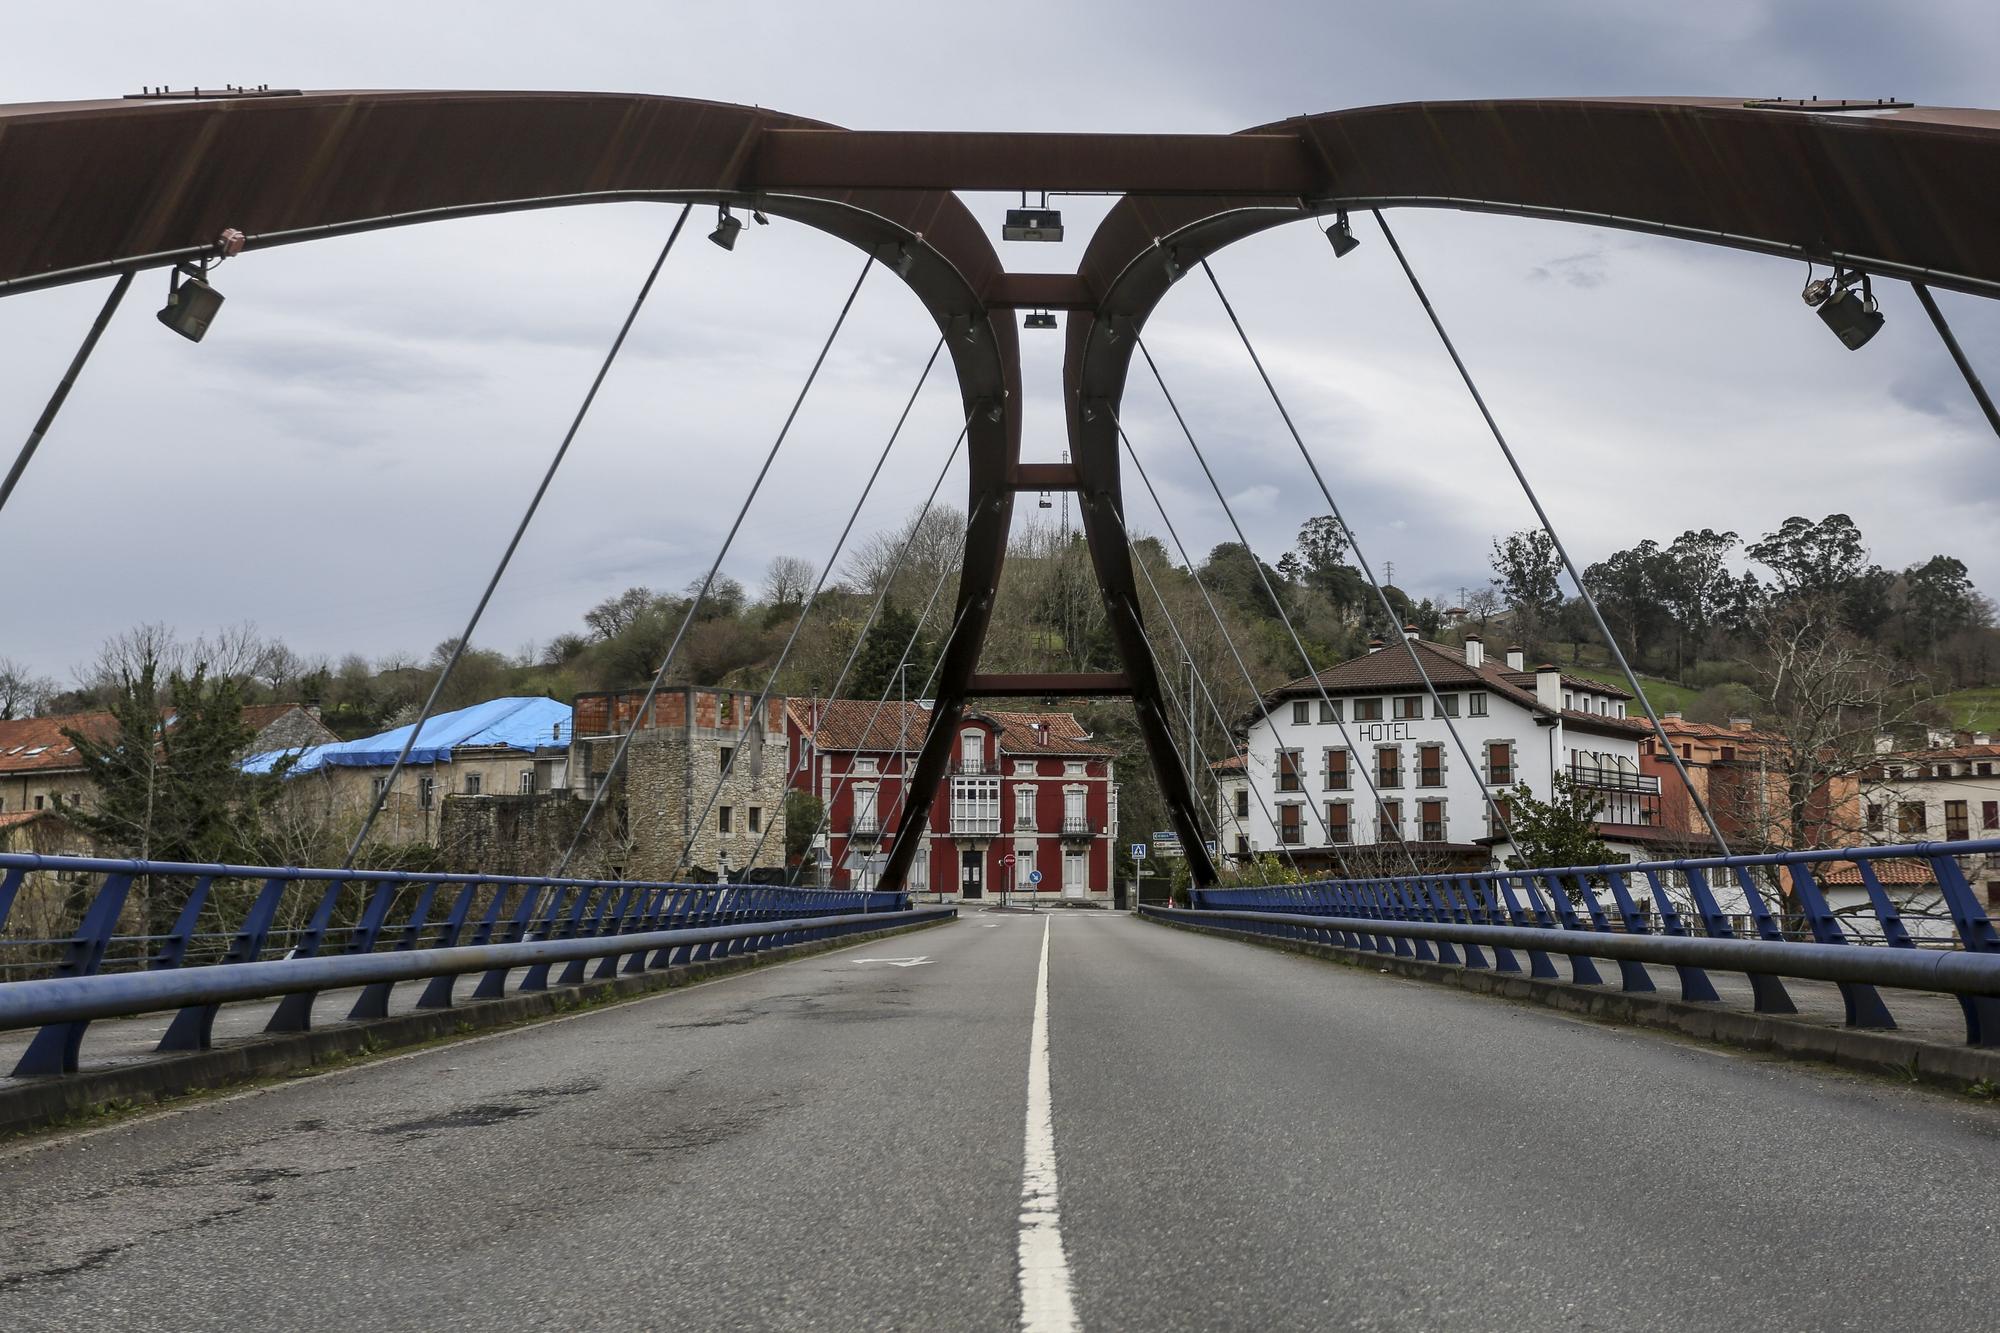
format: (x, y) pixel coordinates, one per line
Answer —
(91, 189)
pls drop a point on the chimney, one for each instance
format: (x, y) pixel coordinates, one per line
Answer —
(1740, 724)
(1475, 651)
(1885, 743)
(1671, 715)
(1410, 632)
(1375, 643)
(1982, 738)
(1517, 658)
(1549, 687)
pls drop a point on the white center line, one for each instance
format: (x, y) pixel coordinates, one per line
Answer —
(1046, 1306)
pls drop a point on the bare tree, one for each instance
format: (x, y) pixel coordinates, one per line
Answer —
(787, 580)
(22, 692)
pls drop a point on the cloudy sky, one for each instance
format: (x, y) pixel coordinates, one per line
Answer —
(341, 461)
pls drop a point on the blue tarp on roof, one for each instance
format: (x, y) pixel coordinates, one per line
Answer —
(527, 724)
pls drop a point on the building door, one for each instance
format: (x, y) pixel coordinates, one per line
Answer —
(1076, 873)
(971, 868)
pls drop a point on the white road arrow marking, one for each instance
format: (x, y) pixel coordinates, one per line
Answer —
(896, 962)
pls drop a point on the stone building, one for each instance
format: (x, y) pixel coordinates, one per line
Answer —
(512, 746)
(673, 779)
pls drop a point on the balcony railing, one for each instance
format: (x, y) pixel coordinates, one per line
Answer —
(1078, 826)
(1614, 779)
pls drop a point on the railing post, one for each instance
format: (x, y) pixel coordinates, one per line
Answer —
(1696, 988)
(10, 888)
(493, 984)
(1539, 963)
(607, 966)
(1976, 933)
(55, 1048)
(574, 970)
(1468, 913)
(193, 1027)
(649, 920)
(1862, 1001)
(374, 999)
(1582, 968)
(1439, 912)
(537, 977)
(294, 1012)
(1632, 975)
(173, 950)
(437, 991)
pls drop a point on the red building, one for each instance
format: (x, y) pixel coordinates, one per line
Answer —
(1026, 793)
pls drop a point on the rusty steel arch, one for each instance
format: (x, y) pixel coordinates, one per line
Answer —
(93, 188)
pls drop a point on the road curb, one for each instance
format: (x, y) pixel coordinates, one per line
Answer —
(44, 1103)
(1956, 1068)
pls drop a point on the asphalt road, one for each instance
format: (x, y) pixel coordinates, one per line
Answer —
(1242, 1139)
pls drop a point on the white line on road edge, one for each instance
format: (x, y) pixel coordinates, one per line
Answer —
(1046, 1306)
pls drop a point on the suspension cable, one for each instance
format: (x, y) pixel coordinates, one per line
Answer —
(1951, 345)
(755, 719)
(1249, 681)
(826, 811)
(1200, 751)
(1174, 628)
(520, 530)
(1180, 639)
(694, 607)
(882, 596)
(1493, 805)
(63, 386)
(1284, 617)
(1542, 515)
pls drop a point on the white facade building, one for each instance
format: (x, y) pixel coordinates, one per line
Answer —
(1520, 726)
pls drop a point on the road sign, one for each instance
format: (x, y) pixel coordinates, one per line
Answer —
(1138, 851)
(1034, 877)
(1007, 860)
(1166, 842)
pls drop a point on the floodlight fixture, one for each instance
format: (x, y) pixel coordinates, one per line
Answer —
(1039, 319)
(1345, 242)
(191, 303)
(1032, 224)
(1853, 315)
(757, 216)
(726, 228)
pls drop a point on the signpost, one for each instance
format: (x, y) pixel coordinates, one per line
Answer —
(1138, 859)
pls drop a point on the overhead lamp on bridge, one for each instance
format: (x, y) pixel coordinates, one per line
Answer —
(1345, 242)
(727, 227)
(1853, 315)
(1038, 319)
(1032, 224)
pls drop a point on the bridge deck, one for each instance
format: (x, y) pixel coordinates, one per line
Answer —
(1243, 1139)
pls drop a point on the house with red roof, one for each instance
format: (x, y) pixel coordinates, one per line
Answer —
(1029, 806)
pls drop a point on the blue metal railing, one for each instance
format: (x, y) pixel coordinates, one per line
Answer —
(69, 953)
(1677, 918)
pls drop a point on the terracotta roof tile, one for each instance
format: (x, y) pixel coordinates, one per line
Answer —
(1895, 872)
(37, 744)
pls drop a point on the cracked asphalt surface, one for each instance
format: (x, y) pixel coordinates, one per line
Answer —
(1244, 1139)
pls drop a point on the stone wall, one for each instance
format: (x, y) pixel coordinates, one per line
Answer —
(526, 835)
